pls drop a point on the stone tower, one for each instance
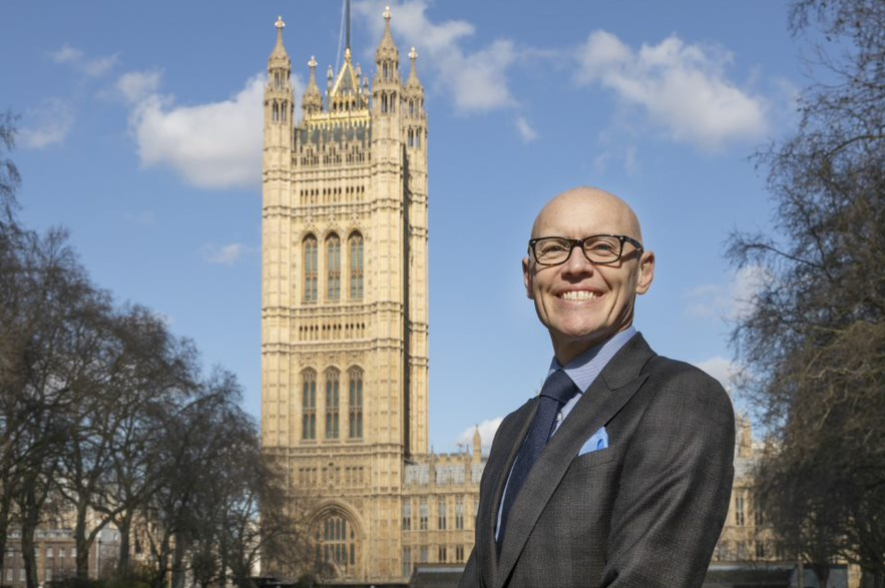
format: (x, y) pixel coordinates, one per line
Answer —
(344, 301)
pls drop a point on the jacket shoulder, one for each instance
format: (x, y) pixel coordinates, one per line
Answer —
(680, 383)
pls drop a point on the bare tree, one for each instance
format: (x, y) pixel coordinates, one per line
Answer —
(815, 339)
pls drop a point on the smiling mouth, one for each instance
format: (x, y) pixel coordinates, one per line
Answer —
(579, 295)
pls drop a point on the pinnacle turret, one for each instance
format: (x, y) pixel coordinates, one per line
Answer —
(413, 82)
(387, 54)
(313, 98)
(279, 56)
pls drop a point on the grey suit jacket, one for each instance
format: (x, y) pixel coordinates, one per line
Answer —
(645, 512)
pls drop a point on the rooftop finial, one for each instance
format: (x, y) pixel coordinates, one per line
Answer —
(413, 55)
(312, 64)
(280, 24)
(387, 13)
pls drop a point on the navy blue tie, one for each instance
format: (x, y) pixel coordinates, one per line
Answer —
(557, 390)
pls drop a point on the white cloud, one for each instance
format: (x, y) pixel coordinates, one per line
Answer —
(77, 59)
(135, 86)
(226, 254)
(487, 430)
(682, 88)
(526, 132)
(49, 124)
(732, 301)
(477, 80)
(213, 145)
(722, 369)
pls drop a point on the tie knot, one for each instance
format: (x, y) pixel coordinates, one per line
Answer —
(559, 387)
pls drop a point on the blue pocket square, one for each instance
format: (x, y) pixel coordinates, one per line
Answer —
(598, 441)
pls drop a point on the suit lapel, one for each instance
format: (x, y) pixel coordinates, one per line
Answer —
(505, 447)
(606, 396)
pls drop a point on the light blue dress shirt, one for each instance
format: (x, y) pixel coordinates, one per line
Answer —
(584, 369)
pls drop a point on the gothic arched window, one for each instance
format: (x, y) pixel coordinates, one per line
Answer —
(309, 404)
(355, 422)
(356, 266)
(333, 268)
(332, 403)
(336, 544)
(310, 269)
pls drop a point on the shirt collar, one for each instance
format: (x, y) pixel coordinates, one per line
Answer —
(584, 368)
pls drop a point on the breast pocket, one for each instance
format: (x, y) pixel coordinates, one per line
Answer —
(596, 458)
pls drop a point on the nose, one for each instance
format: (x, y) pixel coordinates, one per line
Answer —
(577, 263)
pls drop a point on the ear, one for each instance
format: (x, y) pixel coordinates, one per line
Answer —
(646, 272)
(527, 278)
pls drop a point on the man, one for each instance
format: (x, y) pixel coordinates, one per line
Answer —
(619, 473)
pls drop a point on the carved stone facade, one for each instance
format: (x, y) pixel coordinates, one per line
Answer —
(345, 318)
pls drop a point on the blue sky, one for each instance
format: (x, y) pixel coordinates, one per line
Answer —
(141, 132)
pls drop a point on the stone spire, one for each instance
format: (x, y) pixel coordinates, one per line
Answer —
(413, 83)
(278, 100)
(387, 50)
(477, 445)
(313, 98)
(279, 53)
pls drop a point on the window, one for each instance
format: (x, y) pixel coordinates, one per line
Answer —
(73, 552)
(336, 543)
(355, 422)
(9, 574)
(459, 513)
(443, 554)
(423, 554)
(21, 575)
(407, 516)
(459, 553)
(407, 561)
(441, 515)
(422, 516)
(309, 405)
(47, 575)
(61, 551)
(356, 266)
(333, 268)
(759, 512)
(742, 550)
(760, 549)
(739, 511)
(310, 269)
(332, 403)
(48, 552)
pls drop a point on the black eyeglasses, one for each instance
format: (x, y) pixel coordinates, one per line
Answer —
(599, 249)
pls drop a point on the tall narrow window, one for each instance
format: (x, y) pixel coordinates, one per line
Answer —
(309, 405)
(355, 428)
(422, 515)
(739, 511)
(333, 268)
(310, 269)
(407, 562)
(407, 516)
(332, 403)
(356, 266)
(459, 513)
(442, 518)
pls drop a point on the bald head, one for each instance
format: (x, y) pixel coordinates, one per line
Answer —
(584, 303)
(591, 210)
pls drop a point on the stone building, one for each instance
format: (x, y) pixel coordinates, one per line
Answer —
(345, 320)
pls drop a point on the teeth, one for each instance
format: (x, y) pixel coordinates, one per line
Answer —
(578, 295)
